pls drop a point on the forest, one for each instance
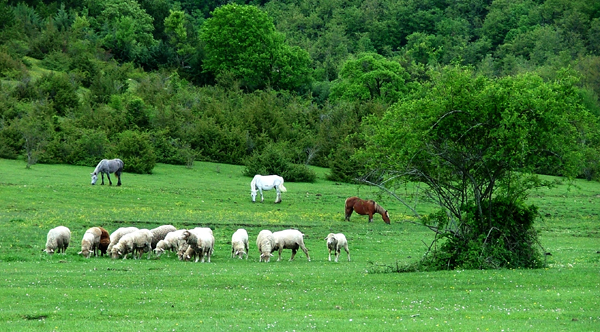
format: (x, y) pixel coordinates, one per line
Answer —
(241, 82)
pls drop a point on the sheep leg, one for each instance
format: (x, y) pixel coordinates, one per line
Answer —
(279, 258)
(294, 251)
(303, 247)
(328, 249)
(337, 254)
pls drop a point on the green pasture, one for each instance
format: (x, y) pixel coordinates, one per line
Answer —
(39, 292)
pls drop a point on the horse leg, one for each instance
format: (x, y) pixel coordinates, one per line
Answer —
(118, 178)
(108, 176)
(278, 199)
(349, 213)
(102, 175)
(262, 198)
(370, 217)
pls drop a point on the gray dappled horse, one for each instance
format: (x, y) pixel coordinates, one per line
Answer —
(107, 166)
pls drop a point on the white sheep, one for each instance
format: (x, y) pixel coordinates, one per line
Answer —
(116, 236)
(265, 244)
(173, 242)
(289, 239)
(135, 243)
(202, 241)
(160, 232)
(239, 243)
(58, 239)
(90, 242)
(336, 242)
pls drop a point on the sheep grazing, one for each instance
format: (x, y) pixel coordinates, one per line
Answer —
(135, 243)
(57, 240)
(90, 242)
(202, 241)
(104, 241)
(189, 254)
(289, 239)
(173, 242)
(181, 253)
(239, 243)
(265, 244)
(116, 236)
(336, 242)
(160, 232)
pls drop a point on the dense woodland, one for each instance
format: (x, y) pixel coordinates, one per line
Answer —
(471, 98)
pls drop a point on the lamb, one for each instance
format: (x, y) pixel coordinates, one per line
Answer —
(116, 236)
(239, 243)
(265, 244)
(181, 253)
(58, 239)
(289, 239)
(135, 243)
(189, 254)
(159, 233)
(90, 242)
(336, 242)
(173, 241)
(202, 241)
(104, 241)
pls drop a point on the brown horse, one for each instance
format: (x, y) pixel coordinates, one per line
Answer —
(365, 207)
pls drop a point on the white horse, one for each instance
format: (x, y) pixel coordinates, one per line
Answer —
(108, 166)
(266, 182)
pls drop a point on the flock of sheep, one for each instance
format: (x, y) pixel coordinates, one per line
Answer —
(197, 243)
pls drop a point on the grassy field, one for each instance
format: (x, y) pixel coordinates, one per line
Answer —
(39, 292)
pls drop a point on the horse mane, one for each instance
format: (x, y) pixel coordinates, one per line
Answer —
(378, 208)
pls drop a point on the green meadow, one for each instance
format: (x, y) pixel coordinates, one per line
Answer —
(39, 292)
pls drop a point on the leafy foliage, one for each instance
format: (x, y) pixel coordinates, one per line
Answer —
(135, 150)
(476, 144)
(273, 160)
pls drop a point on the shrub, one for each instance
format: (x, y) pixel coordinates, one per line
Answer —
(135, 150)
(273, 160)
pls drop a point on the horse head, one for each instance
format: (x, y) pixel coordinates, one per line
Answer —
(253, 194)
(386, 217)
(94, 177)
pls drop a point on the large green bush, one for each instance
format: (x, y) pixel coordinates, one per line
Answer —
(273, 160)
(136, 151)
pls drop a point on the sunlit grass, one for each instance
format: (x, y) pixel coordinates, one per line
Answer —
(41, 292)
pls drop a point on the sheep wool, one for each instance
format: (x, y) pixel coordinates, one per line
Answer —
(57, 239)
(336, 242)
(289, 239)
(239, 243)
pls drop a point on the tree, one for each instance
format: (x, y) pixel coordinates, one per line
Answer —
(476, 143)
(126, 29)
(178, 37)
(370, 77)
(241, 41)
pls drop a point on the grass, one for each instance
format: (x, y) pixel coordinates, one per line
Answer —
(70, 293)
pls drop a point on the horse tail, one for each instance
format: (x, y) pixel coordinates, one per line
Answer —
(282, 188)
